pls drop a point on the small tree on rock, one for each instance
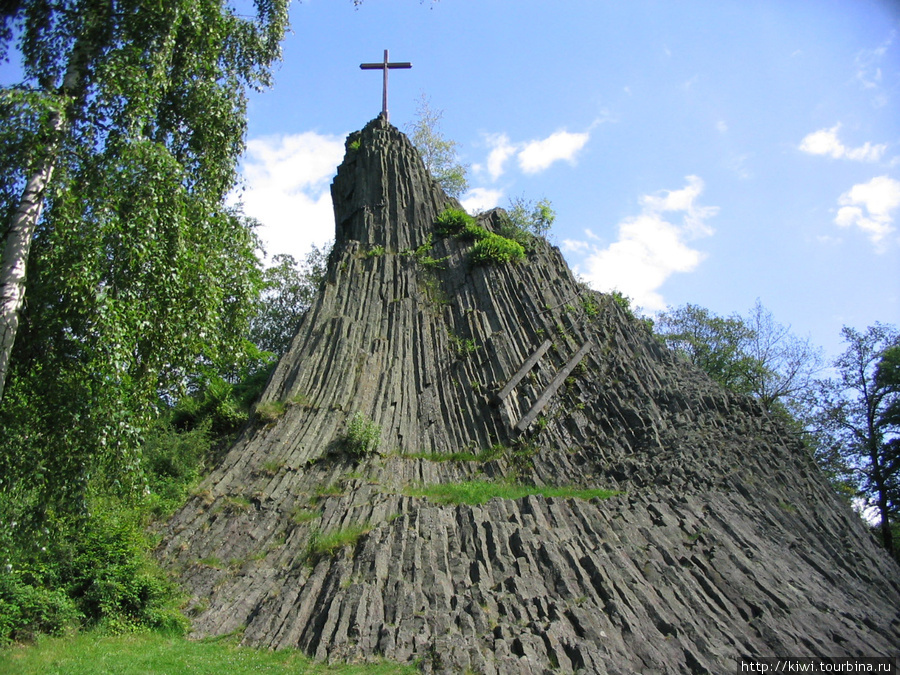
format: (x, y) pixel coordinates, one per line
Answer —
(438, 153)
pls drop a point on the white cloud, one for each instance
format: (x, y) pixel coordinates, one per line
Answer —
(870, 206)
(287, 189)
(536, 156)
(649, 248)
(479, 199)
(501, 150)
(868, 70)
(826, 142)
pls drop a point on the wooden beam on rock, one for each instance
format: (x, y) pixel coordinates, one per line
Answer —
(528, 365)
(552, 388)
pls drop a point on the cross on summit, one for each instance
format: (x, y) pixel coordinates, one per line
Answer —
(384, 67)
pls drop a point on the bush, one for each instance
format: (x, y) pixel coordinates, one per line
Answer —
(115, 584)
(95, 570)
(452, 221)
(173, 461)
(27, 610)
(473, 232)
(496, 249)
(363, 435)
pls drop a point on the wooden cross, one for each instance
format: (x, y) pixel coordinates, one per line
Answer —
(385, 66)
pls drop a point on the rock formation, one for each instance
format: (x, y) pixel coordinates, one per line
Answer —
(723, 538)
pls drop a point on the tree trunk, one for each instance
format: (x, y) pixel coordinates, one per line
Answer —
(14, 262)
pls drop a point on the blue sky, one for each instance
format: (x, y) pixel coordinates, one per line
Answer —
(714, 152)
(709, 152)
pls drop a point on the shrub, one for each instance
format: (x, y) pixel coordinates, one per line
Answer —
(363, 435)
(112, 579)
(27, 610)
(530, 217)
(497, 250)
(473, 232)
(452, 221)
(172, 462)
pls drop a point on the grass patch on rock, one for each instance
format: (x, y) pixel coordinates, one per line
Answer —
(480, 492)
(329, 543)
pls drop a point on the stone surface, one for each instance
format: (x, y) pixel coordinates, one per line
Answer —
(724, 541)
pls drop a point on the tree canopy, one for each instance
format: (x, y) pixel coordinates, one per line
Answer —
(859, 412)
(438, 153)
(120, 146)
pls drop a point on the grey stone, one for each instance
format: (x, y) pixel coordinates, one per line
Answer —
(725, 540)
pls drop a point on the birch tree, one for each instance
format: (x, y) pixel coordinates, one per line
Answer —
(121, 263)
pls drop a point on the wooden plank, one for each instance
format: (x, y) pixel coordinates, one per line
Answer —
(528, 365)
(553, 387)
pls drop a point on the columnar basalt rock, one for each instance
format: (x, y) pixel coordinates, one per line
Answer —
(723, 540)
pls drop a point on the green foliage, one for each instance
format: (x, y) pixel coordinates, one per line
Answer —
(92, 653)
(452, 221)
(374, 252)
(589, 305)
(462, 347)
(753, 355)
(138, 271)
(857, 421)
(479, 492)
(535, 218)
(27, 610)
(438, 153)
(495, 249)
(473, 232)
(173, 462)
(95, 571)
(328, 544)
(717, 345)
(288, 289)
(363, 435)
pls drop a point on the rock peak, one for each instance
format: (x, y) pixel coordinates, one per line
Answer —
(516, 381)
(382, 194)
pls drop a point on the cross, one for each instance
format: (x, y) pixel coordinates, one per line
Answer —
(384, 67)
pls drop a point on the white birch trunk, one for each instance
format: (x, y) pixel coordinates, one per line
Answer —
(14, 263)
(15, 259)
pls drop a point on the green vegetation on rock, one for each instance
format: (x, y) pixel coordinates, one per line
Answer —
(495, 249)
(452, 221)
(363, 435)
(479, 492)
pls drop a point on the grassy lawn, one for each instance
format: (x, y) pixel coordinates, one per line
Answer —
(152, 653)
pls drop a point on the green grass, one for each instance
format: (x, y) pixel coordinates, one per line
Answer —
(481, 456)
(328, 544)
(479, 492)
(153, 653)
